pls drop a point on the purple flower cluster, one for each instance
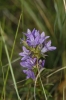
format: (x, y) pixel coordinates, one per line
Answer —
(36, 47)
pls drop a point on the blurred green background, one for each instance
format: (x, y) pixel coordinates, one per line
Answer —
(15, 17)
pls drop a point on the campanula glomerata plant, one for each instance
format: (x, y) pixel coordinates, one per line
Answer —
(34, 48)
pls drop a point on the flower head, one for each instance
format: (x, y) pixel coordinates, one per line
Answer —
(35, 47)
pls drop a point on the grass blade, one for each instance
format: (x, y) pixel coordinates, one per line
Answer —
(10, 66)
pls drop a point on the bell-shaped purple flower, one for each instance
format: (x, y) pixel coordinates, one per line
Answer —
(29, 73)
(41, 63)
(25, 54)
(33, 37)
(48, 47)
(43, 38)
(28, 63)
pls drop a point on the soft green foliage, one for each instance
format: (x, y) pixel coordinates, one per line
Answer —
(15, 17)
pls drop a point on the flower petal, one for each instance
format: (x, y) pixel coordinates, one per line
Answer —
(28, 31)
(25, 50)
(42, 35)
(44, 50)
(31, 38)
(52, 48)
(48, 43)
(46, 37)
